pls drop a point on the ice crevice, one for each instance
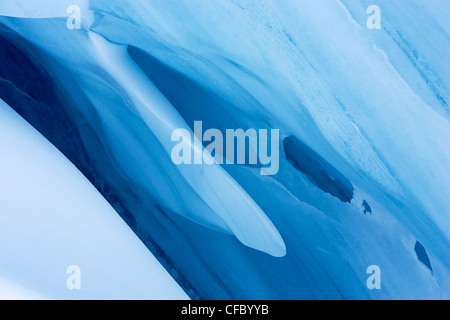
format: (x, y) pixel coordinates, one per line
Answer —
(109, 95)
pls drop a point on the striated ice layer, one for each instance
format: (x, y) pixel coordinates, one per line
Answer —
(363, 118)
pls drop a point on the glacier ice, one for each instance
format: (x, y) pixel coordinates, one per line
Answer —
(363, 118)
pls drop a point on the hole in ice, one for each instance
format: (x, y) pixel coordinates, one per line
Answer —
(422, 255)
(367, 208)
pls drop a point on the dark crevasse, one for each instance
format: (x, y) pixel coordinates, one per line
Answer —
(191, 100)
(195, 103)
(30, 90)
(319, 171)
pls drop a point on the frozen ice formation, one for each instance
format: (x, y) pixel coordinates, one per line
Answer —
(364, 128)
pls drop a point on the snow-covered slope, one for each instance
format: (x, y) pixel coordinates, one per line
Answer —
(364, 135)
(51, 218)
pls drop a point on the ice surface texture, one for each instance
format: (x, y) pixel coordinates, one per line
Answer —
(364, 128)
